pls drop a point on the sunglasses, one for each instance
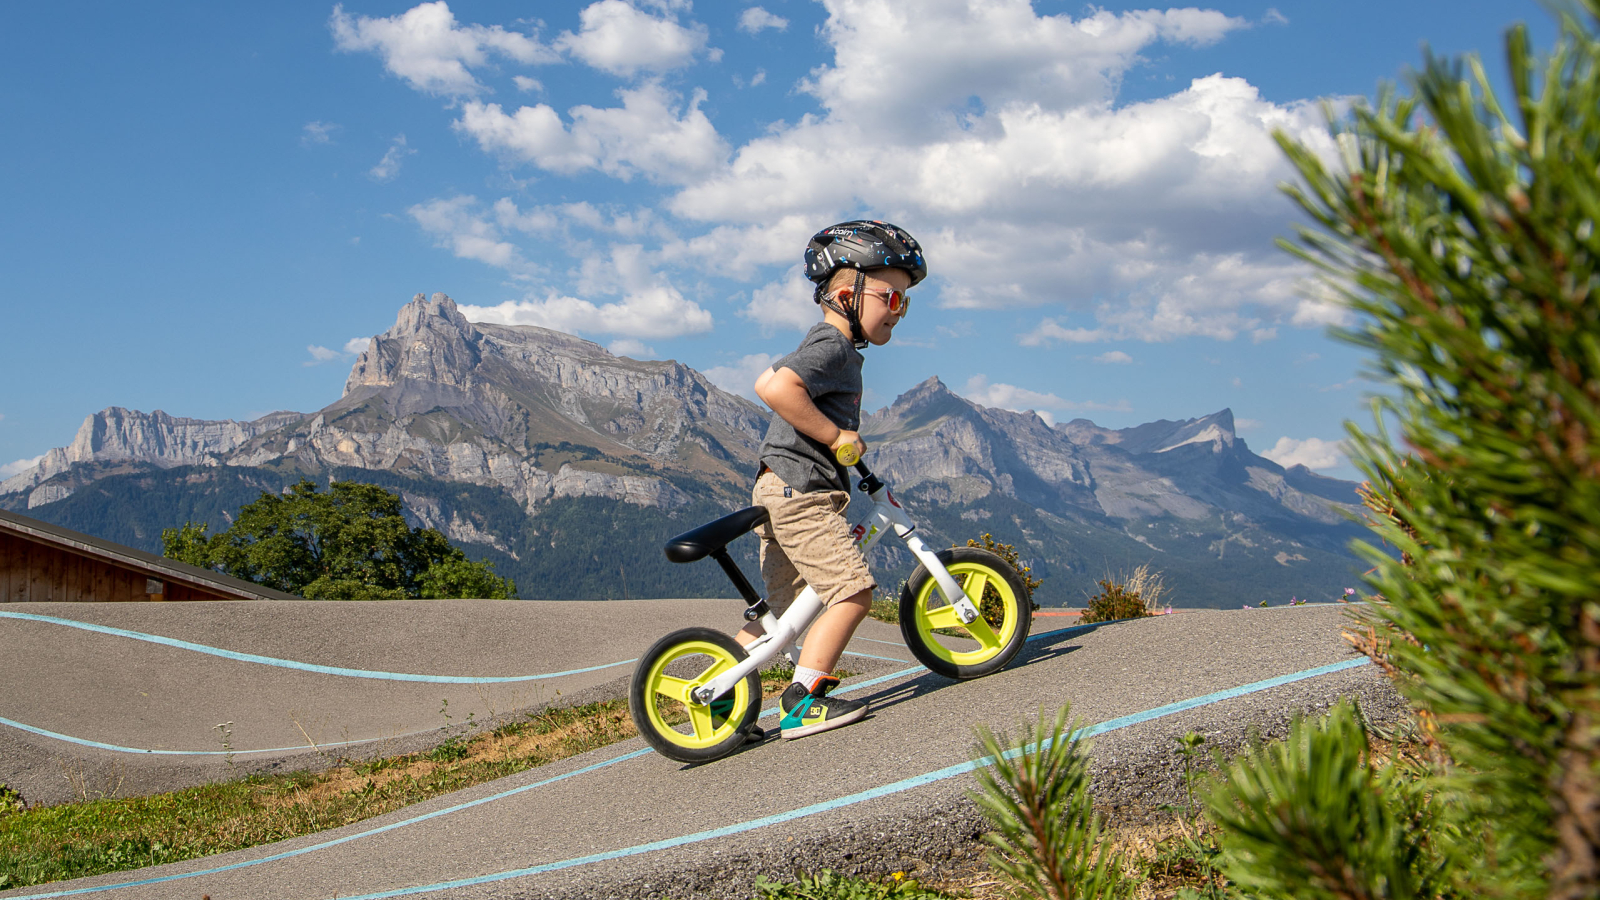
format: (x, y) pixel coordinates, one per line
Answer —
(897, 301)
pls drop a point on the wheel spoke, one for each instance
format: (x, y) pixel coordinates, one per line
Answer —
(974, 585)
(700, 718)
(676, 688)
(982, 633)
(944, 617)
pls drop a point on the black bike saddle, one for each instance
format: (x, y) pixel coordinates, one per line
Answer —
(701, 542)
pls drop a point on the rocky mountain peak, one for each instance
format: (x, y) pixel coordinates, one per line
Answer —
(926, 402)
(431, 341)
(1215, 431)
(436, 313)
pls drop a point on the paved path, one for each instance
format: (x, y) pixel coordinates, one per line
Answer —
(882, 794)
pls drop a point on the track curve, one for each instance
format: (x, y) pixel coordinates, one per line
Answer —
(620, 820)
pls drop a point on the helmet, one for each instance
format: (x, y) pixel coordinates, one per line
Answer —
(864, 245)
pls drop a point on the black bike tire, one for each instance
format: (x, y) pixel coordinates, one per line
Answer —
(922, 580)
(639, 687)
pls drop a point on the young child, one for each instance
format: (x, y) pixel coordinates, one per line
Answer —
(862, 271)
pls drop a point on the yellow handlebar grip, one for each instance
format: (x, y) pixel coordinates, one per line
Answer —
(847, 455)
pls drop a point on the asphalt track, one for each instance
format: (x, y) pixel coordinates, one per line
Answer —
(154, 679)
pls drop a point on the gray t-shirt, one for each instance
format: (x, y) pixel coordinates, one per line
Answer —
(830, 367)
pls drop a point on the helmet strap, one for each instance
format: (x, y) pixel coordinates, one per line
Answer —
(857, 336)
(851, 310)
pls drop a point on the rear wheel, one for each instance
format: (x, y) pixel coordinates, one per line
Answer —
(665, 711)
(937, 636)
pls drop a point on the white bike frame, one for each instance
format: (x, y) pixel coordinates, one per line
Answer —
(782, 633)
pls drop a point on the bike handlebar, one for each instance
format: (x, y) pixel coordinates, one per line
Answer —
(846, 455)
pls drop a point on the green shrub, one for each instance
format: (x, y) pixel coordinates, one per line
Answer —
(990, 608)
(1131, 597)
(1461, 232)
(1047, 840)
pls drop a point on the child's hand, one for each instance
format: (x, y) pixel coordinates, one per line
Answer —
(848, 447)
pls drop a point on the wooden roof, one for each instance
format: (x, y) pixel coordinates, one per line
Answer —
(159, 567)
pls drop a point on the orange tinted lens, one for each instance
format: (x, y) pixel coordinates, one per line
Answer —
(898, 301)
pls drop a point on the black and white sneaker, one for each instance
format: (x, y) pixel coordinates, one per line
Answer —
(808, 711)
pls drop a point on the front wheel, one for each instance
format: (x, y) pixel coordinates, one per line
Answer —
(936, 635)
(666, 713)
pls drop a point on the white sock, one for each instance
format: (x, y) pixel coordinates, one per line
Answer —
(807, 677)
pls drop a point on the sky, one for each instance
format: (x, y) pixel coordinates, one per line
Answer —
(209, 208)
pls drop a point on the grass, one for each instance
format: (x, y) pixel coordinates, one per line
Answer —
(76, 840)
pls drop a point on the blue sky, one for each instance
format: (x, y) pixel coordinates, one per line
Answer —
(208, 207)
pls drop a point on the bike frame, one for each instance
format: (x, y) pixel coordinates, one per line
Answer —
(782, 633)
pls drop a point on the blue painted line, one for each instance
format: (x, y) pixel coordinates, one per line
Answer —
(861, 797)
(346, 839)
(304, 667)
(870, 656)
(422, 818)
(141, 750)
(777, 818)
(843, 689)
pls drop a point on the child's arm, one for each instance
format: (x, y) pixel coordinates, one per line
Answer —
(787, 395)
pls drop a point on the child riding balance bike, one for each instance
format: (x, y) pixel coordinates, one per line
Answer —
(965, 612)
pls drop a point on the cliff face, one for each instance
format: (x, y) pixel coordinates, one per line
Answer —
(537, 413)
(1196, 472)
(116, 435)
(538, 416)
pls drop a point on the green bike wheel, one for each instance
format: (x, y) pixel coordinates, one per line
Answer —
(663, 707)
(939, 639)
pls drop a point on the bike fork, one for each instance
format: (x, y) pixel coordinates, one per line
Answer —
(953, 594)
(780, 635)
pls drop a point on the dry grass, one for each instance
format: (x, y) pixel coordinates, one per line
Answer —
(75, 840)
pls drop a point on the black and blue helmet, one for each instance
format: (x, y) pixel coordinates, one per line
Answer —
(864, 245)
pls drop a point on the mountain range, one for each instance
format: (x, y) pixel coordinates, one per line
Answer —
(569, 467)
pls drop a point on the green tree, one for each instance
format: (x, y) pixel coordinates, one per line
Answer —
(1462, 233)
(348, 543)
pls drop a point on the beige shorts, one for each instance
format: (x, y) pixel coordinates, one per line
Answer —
(806, 541)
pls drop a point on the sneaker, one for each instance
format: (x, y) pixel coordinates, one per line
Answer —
(810, 711)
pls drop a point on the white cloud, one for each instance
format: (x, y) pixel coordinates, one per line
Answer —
(1029, 184)
(428, 49)
(527, 85)
(650, 306)
(740, 377)
(784, 304)
(755, 18)
(319, 355)
(1026, 183)
(759, 78)
(1114, 357)
(649, 134)
(623, 40)
(1240, 424)
(388, 167)
(1273, 17)
(314, 133)
(659, 312)
(17, 467)
(1313, 453)
(1006, 396)
(456, 225)
(1050, 330)
(1001, 51)
(630, 347)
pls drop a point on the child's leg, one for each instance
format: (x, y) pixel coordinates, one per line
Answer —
(826, 641)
